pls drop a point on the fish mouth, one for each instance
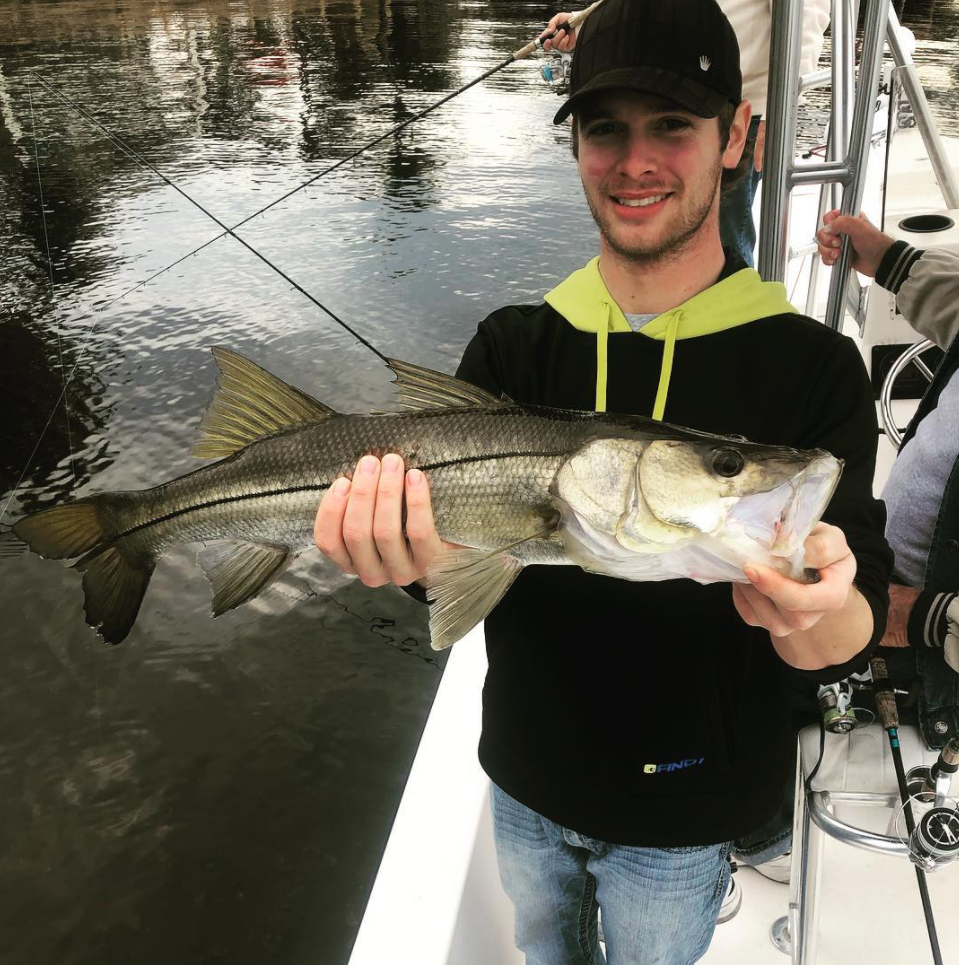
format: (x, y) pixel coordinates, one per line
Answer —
(781, 519)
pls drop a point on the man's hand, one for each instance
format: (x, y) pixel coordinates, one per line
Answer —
(359, 525)
(901, 601)
(566, 41)
(869, 244)
(784, 606)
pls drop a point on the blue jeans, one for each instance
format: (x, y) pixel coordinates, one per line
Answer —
(659, 904)
(737, 230)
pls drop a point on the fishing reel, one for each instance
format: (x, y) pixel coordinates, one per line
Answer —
(931, 785)
(934, 841)
(838, 715)
(555, 68)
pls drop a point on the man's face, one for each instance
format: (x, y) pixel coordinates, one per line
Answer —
(651, 171)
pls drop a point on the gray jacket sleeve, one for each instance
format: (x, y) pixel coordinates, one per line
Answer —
(926, 286)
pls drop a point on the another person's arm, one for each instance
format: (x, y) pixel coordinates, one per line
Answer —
(566, 41)
(925, 283)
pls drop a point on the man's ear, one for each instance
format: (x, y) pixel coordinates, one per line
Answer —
(737, 135)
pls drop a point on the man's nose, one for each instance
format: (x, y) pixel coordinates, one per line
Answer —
(638, 158)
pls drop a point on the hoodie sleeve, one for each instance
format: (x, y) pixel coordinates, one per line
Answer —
(481, 364)
(841, 416)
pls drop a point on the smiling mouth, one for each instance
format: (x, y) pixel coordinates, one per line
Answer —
(641, 202)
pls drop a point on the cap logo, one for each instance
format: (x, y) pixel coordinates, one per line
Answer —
(704, 62)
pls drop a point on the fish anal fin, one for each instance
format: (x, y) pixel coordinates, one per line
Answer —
(422, 388)
(463, 585)
(249, 404)
(114, 582)
(239, 571)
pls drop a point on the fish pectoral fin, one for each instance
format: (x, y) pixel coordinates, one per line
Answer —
(421, 388)
(463, 585)
(249, 404)
(239, 571)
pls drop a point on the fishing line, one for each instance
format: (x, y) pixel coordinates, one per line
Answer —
(56, 314)
(537, 44)
(226, 231)
(523, 52)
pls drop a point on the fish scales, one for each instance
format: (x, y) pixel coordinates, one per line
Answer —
(489, 478)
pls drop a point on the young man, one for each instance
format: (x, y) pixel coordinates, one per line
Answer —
(631, 731)
(752, 22)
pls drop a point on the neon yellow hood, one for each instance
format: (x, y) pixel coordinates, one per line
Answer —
(585, 302)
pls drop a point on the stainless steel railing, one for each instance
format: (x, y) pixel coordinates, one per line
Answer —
(843, 173)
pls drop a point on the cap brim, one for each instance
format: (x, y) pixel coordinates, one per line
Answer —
(702, 101)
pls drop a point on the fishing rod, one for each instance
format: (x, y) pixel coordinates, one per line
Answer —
(571, 24)
(885, 697)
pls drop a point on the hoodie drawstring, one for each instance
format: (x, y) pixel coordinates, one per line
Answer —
(666, 369)
(602, 341)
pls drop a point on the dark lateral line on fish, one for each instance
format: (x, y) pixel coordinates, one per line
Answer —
(323, 486)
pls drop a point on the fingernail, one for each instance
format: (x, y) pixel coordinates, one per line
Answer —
(414, 478)
(391, 462)
(751, 574)
(341, 487)
(368, 465)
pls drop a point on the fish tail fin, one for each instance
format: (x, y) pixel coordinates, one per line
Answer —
(114, 582)
(115, 575)
(63, 532)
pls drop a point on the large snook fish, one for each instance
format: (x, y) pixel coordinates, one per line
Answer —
(616, 494)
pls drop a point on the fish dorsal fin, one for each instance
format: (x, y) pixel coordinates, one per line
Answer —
(239, 571)
(250, 404)
(421, 388)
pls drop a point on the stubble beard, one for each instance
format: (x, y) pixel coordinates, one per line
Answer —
(673, 244)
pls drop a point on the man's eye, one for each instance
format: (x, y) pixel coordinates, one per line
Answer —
(674, 124)
(600, 130)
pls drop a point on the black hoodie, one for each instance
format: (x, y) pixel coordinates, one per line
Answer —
(650, 713)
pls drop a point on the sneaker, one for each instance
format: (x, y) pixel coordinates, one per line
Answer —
(732, 902)
(777, 869)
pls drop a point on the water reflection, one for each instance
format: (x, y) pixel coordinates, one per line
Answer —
(63, 463)
(221, 790)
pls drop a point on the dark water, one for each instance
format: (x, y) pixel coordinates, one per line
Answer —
(221, 790)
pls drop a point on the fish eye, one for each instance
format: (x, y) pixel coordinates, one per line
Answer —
(728, 462)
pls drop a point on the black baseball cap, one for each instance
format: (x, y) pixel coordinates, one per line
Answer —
(684, 50)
